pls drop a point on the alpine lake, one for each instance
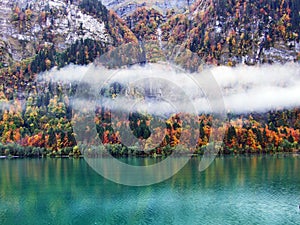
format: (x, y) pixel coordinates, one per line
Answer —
(255, 189)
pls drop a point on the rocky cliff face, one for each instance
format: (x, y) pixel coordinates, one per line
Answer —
(126, 7)
(28, 25)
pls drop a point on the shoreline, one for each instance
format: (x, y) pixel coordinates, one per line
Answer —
(13, 150)
(248, 154)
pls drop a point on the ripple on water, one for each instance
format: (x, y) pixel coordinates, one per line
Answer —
(87, 210)
(3, 215)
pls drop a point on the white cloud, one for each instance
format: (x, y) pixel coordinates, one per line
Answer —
(244, 88)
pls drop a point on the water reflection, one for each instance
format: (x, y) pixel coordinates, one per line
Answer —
(247, 190)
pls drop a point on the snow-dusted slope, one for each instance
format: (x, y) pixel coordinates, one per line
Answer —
(53, 22)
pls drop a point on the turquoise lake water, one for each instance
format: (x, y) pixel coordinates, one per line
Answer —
(233, 190)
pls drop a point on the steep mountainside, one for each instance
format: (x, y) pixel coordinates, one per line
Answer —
(220, 32)
(227, 32)
(29, 25)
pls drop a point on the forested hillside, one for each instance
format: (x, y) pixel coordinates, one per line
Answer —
(36, 116)
(227, 32)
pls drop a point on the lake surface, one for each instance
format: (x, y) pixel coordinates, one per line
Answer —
(233, 190)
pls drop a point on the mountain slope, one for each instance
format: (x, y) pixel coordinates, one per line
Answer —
(34, 24)
(229, 32)
(219, 32)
